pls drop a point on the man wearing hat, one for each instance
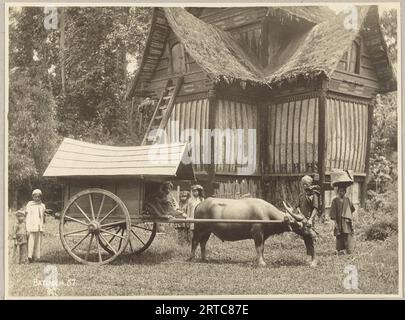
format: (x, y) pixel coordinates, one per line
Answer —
(35, 213)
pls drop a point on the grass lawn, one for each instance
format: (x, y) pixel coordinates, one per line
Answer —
(163, 269)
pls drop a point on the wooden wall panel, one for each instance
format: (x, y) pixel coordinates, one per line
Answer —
(346, 134)
(293, 136)
(185, 118)
(129, 192)
(237, 188)
(232, 149)
(280, 189)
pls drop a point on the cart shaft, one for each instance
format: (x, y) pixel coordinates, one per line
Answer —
(240, 221)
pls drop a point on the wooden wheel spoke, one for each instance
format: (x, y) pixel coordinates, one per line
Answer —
(98, 248)
(76, 220)
(74, 232)
(101, 207)
(91, 207)
(116, 223)
(83, 213)
(114, 236)
(143, 228)
(122, 237)
(89, 247)
(137, 237)
(111, 211)
(112, 233)
(130, 245)
(81, 240)
(108, 243)
(112, 227)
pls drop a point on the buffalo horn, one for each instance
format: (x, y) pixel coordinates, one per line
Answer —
(298, 217)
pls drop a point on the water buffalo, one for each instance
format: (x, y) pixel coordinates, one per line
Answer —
(246, 209)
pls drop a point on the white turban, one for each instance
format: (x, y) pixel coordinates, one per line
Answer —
(37, 191)
(307, 179)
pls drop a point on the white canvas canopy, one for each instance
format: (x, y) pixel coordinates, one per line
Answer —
(77, 158)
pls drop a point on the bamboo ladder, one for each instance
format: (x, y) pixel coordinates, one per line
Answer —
(162, 112)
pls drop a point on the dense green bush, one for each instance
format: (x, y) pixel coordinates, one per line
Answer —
(380, 218)
(381, 230)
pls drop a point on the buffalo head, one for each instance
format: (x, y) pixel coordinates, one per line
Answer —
(296, 218)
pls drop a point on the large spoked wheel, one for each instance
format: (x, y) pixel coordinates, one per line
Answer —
(140, 238)
(95, 227)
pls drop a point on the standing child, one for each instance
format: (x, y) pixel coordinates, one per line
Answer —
(182, 228)
(197, 196)
(341, 212)
(20, 237)
(35, 212)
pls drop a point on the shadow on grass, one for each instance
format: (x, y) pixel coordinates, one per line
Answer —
(223, 261)
(287, 262)
(144, 258)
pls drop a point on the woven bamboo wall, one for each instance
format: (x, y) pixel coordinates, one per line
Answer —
(347, 123)
(293, 136)
(191, 115)
(231, 151)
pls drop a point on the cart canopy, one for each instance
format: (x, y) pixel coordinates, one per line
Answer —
(77, 158)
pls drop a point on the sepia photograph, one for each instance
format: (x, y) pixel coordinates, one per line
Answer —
(203, 150)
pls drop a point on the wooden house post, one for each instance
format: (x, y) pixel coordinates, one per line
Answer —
(322, 141)
(370, 117)
(263, 142)
(212, 105)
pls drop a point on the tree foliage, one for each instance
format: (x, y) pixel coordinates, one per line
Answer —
(93, 47)
(32, 130)
(384, 139)
(389, 27)
(99, 42)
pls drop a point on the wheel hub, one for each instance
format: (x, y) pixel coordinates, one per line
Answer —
(94, 227)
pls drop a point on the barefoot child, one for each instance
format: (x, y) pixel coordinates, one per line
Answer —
(20, 238)
(182, 228)
(197, 196)
(341, 213)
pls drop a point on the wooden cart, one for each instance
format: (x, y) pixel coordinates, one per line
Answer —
(104, 190)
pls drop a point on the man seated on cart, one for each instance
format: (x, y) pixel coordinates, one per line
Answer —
(163, 204)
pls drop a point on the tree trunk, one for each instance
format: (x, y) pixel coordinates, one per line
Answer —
(14, 204)
(62, 50)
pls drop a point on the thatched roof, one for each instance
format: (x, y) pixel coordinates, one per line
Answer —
(319, 52)
(312, 53)
(323, 47)
(212, 48)
(313, 14)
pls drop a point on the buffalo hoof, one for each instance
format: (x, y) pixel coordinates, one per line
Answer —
(190, 259)
(261, 264)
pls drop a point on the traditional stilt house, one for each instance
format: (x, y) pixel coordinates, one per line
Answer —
(299, 81)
